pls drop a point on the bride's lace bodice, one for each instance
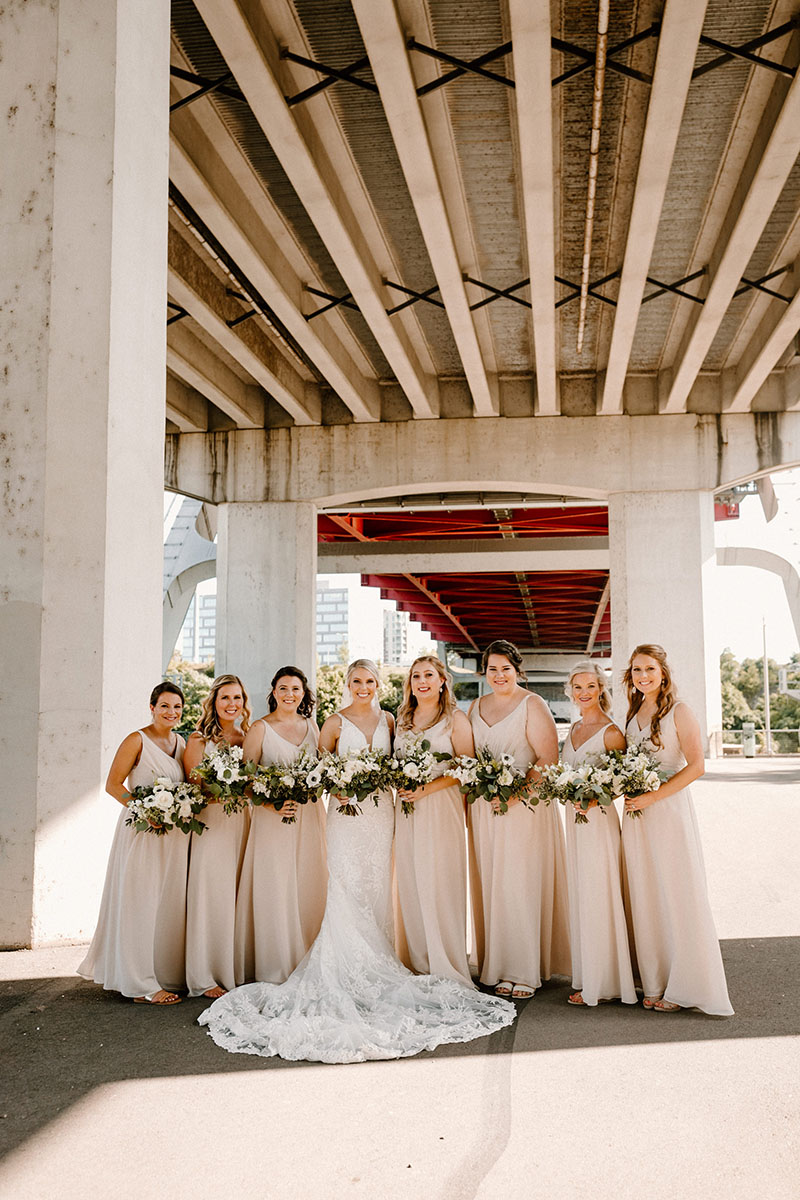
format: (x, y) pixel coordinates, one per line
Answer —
(351, 999)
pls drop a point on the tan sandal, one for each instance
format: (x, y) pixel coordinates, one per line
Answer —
(521, 991)
(504, 988)
(666, 1006)
(650, 1001)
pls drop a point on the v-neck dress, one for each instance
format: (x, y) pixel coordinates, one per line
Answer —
(676, 941)
(281, 895)
(430, 858)
(518, 873)
(215, 866)
(139, 944)
(601, 958)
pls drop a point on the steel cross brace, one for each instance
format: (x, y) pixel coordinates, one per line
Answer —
(205, 87)
(576, 291)
(179, 313)
(333, 75)
(758, 284)
(589, 56)
(745, 51)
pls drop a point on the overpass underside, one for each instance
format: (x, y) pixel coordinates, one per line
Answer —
(497, 258)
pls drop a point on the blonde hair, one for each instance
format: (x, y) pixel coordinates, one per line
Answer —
(364, 664)
(447, 701)
(589, 666)
(666, 693)
(208, 724)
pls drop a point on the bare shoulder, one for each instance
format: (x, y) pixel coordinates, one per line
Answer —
(461, 721)
(537, 707)
(614, 738)
(684, 717)
(196, 737)
(331, 723)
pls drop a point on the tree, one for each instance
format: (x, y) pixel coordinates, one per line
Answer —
(194, 680)
(330, 683)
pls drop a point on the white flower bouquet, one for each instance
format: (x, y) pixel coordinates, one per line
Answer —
(165, 805)
(226, 776)
(411, 767)
(279, 783)
(634, 772)
(489, 778)
(587, 785)
(351, 778)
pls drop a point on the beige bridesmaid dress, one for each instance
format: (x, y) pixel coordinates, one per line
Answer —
(601, 958)
(518, 873)
(139, 944)
(284, 878)
(431, 873)
(215, 866)
(676, 941)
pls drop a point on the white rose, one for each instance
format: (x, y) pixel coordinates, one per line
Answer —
(411, 770)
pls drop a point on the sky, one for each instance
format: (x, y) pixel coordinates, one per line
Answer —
(742, 597)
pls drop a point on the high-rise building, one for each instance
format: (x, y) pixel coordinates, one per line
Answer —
(198, 637)
(395, 637)
(333, 622)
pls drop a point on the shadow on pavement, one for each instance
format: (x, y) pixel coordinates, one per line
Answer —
(63, 1037)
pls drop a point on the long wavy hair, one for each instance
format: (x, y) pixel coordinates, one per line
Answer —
(447, 701)
(589, 666)
(666, 698)
(209, 724)
(508, 650)
(306, 706)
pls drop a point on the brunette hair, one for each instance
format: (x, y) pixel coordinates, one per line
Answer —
(588, 666)
(508, 650)
(306, 705)
(447, 701)
(166, 687)
(666, 693)
(209, 724)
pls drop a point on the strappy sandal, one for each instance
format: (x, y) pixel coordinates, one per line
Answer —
(577, 999)
(504, 988)
(521, 991)
(666, 1006)
(650, 1001)
(165, 998)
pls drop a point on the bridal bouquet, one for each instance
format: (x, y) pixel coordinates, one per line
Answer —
(225, 776)
(410, 768)
(634, 771)
(583, 786)
(490, 778)
(279, 783)
(356, 775)
(167, 803)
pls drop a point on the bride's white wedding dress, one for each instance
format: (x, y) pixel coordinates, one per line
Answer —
(350, 999)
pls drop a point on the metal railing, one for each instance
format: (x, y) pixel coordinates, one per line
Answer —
(784, 741)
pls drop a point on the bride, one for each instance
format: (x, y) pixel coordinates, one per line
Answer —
(350, 999)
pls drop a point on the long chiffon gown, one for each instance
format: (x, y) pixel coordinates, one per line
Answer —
(430, 858)
(518, 873)
(676, 942)
(139, 944)
(215, 865)
(351, 1000)
(601, 959)
(281, 895)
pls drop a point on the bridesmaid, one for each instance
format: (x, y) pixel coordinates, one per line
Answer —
(138, 946)
(676, 942)
(601, 960)
(517, 867)
(430, 844)
(215, 860)
(284, 875)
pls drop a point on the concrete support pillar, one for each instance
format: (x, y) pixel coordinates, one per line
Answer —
(266, 591)
(662, 554)
(85, 92)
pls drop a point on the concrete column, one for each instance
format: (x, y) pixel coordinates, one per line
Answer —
(266, 591)
(85, 91)
(662, 554)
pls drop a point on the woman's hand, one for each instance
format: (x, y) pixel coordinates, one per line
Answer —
(409, 794)
(289, 808)
(637, 803)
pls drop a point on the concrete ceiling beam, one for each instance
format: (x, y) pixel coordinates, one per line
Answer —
(778, 327)
(211, 172)
(300, 400)
(459, 556)
(186, 408)
(773, 156)
(197, 365)
(385, 45)
(681, 26)
(530, 35)
(254, 61)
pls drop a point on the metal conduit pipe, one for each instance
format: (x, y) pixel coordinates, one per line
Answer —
(594, 157)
